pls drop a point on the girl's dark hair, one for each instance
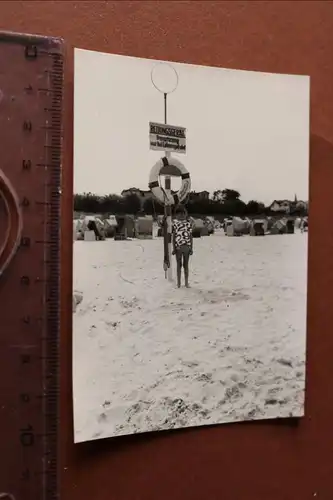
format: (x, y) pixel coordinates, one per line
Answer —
(180, 209)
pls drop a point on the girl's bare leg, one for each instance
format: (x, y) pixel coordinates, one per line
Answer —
(186, 267)
(179, 267)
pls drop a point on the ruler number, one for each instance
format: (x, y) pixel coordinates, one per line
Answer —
(26, 165)
(27, 126)
(25, 280)
(25, 242)
(25, 476)
(25, 202)
(25, 358)
(30, 52)
(24, 397)
(27, 436)
(28, 89)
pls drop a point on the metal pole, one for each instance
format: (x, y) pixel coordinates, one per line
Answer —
(167, 206)
(165, 109)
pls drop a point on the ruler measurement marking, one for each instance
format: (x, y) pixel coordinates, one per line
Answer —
(52, 353)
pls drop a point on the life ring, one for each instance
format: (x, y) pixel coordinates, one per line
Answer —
(158, 191)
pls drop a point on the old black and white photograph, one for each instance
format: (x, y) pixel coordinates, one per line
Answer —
(190, 238)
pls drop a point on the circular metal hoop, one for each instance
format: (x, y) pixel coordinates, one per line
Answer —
(14, 228)
(172, 70)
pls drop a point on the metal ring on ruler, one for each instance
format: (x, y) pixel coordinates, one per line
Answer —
(14, 226)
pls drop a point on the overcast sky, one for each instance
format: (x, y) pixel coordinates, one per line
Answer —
(247, 131)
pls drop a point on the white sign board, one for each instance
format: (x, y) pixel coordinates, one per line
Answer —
(167, 138)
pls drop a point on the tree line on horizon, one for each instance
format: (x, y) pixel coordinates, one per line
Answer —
(226, 202)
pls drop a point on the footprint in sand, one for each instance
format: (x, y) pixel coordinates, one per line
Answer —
(285, 362)
(220, 295)
(112, 324)
(190, 364)
(205, 377)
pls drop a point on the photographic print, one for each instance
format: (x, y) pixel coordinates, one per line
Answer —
(190, 235)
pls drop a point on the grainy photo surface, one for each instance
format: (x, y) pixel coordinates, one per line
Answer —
(190, 232)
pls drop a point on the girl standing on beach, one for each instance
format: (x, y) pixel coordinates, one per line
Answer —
(182, 243)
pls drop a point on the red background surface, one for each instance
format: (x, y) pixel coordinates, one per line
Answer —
(250, 461)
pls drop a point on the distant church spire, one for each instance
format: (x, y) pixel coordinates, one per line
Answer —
(295, 200)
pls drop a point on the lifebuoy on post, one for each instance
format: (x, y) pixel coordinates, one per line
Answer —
(158, 191)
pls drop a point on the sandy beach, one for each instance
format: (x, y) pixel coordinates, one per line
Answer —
(148, 356)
